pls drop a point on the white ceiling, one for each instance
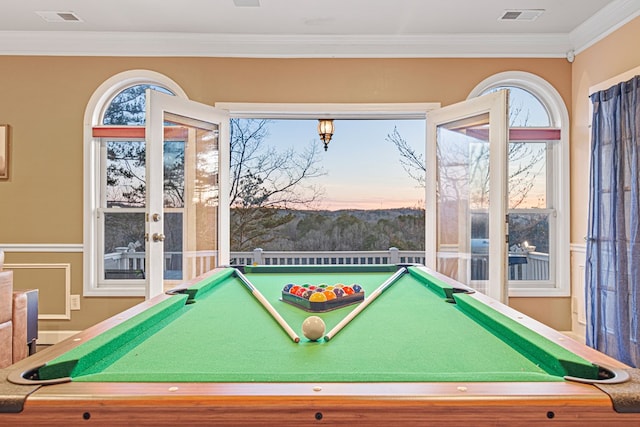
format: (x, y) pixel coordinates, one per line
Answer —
(309, 28)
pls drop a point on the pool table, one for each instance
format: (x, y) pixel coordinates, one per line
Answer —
(426, 349)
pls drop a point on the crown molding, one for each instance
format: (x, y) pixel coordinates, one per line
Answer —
(73, 43)
(79, 43)
(604, 22)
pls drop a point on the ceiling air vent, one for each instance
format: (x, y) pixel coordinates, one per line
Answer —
(59, 16)
(520, 14)
(246, 3)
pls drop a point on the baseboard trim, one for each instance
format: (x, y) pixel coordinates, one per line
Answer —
(574, 336)
(53, 337)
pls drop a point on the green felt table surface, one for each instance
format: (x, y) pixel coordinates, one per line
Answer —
(409, 333)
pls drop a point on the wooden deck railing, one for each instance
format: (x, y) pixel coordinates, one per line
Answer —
(529, 266)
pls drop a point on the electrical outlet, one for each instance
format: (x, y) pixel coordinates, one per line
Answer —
(75, 302)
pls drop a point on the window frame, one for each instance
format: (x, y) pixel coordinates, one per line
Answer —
(559, 284)
(539, 87)
(92, 191)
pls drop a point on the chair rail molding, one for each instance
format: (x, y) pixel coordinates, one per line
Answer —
(42, 247)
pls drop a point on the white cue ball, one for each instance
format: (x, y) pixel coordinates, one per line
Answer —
(313, 328)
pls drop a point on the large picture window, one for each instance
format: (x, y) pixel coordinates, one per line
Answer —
(115, 188)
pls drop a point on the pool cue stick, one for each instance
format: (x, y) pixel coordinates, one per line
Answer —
(256, 293)
(375, 294)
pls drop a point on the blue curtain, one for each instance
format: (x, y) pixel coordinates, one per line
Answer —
(613, 241)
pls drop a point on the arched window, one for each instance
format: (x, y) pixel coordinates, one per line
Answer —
(127, 108)
(538, 185)
(115, 187)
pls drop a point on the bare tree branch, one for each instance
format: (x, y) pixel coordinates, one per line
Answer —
(412, 162)
(265, 180)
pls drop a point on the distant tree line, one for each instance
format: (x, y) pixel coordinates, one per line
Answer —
(362, 230)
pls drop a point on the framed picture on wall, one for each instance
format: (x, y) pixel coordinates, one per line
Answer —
(4, 151)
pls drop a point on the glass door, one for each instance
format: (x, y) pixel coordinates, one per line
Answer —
(466, 230)
(187, 217)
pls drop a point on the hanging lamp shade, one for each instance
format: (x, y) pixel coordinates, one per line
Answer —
(325, 130)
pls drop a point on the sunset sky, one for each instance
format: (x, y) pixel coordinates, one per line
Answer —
(363, 168)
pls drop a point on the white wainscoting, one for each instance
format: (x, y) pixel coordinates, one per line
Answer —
(65, 287)
(578, 308)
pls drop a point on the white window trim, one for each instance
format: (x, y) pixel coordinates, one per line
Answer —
(559, 117)
(94, 111)
(247, 110)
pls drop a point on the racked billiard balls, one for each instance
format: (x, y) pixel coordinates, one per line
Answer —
(313, 328)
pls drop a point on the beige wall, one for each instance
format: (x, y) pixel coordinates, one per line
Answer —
(44, 98)
(613, 55)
